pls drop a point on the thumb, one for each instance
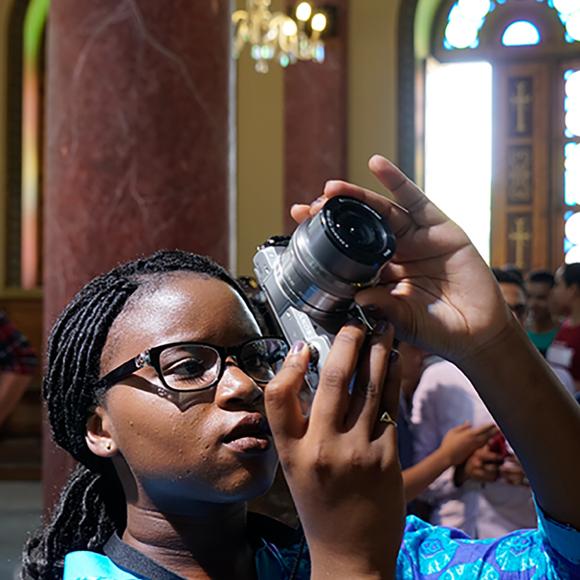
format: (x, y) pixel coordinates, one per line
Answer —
(282, 398)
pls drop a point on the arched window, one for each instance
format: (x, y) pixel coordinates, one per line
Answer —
(511, 66)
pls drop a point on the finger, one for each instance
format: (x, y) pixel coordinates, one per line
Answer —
(300, 212)
(371, 377)
(282, 398)
(465, 426)
(491, 469)
(331, 399)
(406, 193)
(385, 432)
(489, 456)
(489, 430)
(398, 218)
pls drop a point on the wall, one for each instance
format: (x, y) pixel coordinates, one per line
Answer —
(372, 125)
(260, 128)
(372, 85)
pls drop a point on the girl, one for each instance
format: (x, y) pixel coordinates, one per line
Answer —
(156, 381)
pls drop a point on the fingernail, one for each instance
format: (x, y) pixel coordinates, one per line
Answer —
(394, 356)
(297, 347)
(318, 201)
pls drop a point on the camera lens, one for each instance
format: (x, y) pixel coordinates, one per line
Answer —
(357, 230)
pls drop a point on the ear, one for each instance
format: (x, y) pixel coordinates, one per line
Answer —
(99, 436)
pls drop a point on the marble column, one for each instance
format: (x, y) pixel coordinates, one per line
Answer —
(315, 118)
(139, 146)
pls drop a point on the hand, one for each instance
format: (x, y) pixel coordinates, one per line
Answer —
(461, 441)
(511, 471)
(437, 290)
(341, 464)
(482, 465)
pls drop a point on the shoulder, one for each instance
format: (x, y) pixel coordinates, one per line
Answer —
(84, 565)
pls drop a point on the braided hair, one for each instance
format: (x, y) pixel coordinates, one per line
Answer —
(92, 503)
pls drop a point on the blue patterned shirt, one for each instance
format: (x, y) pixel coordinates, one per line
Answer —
(428, 552)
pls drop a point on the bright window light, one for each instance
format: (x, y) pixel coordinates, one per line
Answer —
(521, 33)
(573, 26)
(458, 145)
(572, 174)
(566, 6)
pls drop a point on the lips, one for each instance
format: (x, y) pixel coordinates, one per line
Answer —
(250, 434)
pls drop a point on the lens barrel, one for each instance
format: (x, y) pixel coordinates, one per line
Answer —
(333, 254)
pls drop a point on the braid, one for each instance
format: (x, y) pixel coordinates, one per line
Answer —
(92, 504)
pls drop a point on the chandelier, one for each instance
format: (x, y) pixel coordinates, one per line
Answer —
(275, 36)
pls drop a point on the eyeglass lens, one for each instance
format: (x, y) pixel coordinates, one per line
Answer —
(189, 366)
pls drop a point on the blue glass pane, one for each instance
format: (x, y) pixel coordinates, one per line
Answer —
(568, 214)
(521, 33)
(567, 245)
(465, 20)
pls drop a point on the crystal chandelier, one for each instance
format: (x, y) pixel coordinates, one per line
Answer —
(277, 36)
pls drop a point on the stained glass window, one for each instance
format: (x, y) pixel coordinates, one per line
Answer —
(521, 33)
(572, 164)
(467, 17)
(465, 21)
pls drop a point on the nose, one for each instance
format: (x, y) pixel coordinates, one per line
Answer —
(236, 390)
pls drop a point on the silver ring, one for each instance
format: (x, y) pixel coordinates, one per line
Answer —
(386, 418)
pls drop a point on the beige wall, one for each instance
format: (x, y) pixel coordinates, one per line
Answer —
(372, 85)
(260, 129)
(371, 124)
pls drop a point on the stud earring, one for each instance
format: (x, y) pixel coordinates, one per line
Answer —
(108, 447)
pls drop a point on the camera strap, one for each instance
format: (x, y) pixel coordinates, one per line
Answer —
(356, 311)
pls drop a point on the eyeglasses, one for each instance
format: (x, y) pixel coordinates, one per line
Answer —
(191, 367)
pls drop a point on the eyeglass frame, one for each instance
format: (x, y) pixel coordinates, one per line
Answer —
(183, 398)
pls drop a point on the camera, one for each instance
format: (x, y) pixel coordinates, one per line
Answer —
(310, 279)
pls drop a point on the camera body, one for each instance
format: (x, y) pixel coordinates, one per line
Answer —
(311, 278)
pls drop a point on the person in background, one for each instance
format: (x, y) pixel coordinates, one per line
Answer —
(456, 446)
(564, 351)
(17, 365)
(540, 324)
(486, 496)
(513, 271)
